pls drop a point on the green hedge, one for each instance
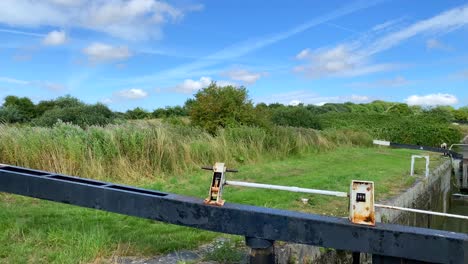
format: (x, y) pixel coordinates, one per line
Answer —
(416, 129)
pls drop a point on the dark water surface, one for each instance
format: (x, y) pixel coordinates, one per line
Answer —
(459, 207)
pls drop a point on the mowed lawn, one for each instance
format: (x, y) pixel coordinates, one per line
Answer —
(36, 231)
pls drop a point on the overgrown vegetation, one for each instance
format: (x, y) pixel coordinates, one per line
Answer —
(216, 108)
(133, 152)
(277, 144)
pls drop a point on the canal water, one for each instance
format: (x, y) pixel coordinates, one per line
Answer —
(459, 207)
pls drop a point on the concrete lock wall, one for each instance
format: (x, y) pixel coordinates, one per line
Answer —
(431, 193)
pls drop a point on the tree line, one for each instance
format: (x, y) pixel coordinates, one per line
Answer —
(216, 107)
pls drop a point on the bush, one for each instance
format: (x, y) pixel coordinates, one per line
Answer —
(295, 117)
(422, 129)
(10, 114)
(137, 113)
(217, 107)
(23, 105)
(86, 115)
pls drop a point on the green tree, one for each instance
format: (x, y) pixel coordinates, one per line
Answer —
(10, 114)
(296, 117)
(82, 115)
(137, 113)
(24, 105)
(442, 112)
(217, 106)
(400, 109)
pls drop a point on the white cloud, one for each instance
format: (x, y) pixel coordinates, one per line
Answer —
(99, 52)
(129, 19)
(55, 38)
(244, 75)
(432, 99)
(191, 86)
(398, 81)
(132, 94)
(339, 61)
(355, 58)
(303, 54)
(295, 102)
(307, 97)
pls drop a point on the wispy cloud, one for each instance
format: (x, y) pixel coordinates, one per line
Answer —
(397, 81)
(435, 44)
(13, 80)
(23, 33)
(250, 45)
(100, 52)
(48, 85)
(243, 75)
(355, 58)
(463, 74)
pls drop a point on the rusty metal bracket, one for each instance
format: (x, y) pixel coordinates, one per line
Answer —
(215, 195)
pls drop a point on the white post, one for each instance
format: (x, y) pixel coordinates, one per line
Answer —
(465, 176)
(412, 165)
(427, 166)
(413, 157)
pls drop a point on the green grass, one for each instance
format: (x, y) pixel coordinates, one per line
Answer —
(36, 231)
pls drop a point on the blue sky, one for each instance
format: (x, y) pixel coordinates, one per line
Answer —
(157, 53)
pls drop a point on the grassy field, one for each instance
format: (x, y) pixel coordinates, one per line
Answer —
(35, 231)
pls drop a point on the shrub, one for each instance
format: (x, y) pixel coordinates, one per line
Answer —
(424, 129)
(217, 107)
(295, 117)
(23, 105)
(137, 113)
(86, 115)
(11, 114)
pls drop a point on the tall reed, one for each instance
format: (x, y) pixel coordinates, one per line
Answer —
(145, 151)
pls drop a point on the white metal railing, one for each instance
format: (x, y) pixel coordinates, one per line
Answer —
(286, 188)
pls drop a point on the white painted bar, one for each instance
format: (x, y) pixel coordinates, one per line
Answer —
(451, 146)
(420, 211)
(381, 142)
(285, 188)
